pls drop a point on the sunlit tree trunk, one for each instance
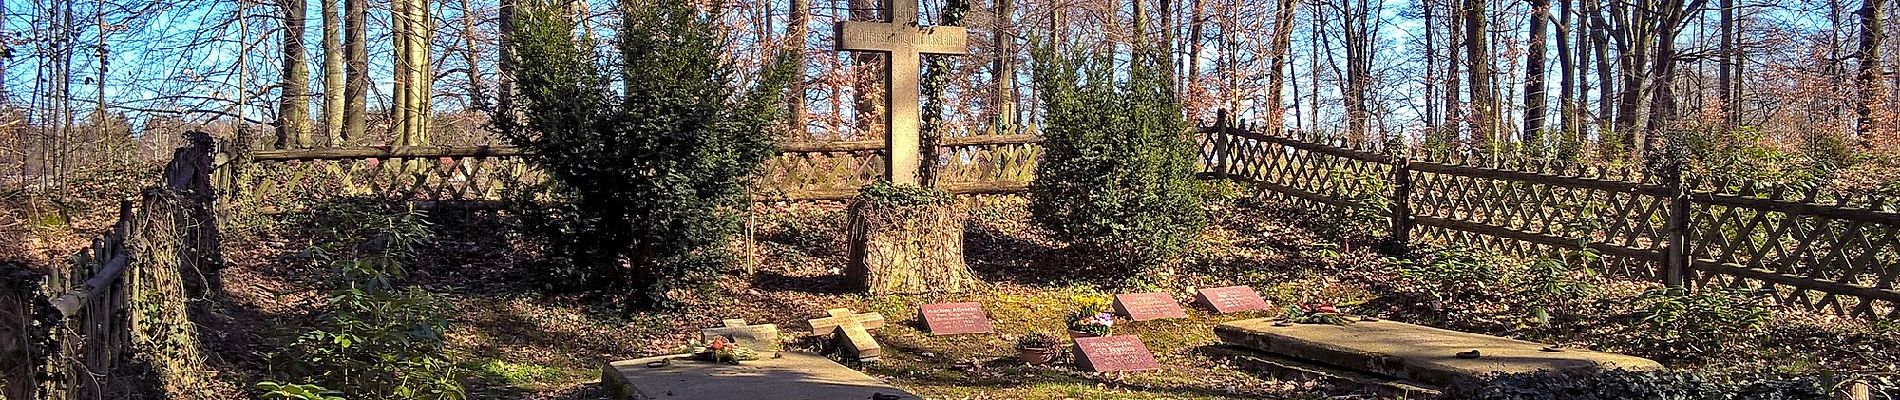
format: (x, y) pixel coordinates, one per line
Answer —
(1535, 92)
(293, 107)
(332, 74)
(356, 69)
(797, 31)
(1277, 76)
(1872, 94)
(1483, 104)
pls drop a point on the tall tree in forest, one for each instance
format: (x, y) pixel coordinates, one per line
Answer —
(1569, 141)
(399, 26)
(1666, 20)
(1535, 92)
(477, 92)
(1599, 39)
(1873, 94)
(293, 107)
(1484, 117)
(356, 69)
(1725, 75)
(1004, 68)
(1282, 45)
(505, 118)
(868, 85)
(1359, 34)
(332, 74)
(797, 32)
(1448, 132)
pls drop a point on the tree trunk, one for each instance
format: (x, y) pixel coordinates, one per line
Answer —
(477, 94)
(1004, 70)
(332, 74)
(797, 31)
(1872, 93)
(1195, 26)
(1725, 70)
(1606, 87)
(1567, 78)
(356, 69)
(1454, 40)
(505, 69)
(1282, 45)
(908, 249)
(1535, 92)
(293, 107)
(870, 69)
(400, 65)
(1483, 104)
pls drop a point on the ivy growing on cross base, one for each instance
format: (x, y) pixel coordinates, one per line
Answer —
(649, 152)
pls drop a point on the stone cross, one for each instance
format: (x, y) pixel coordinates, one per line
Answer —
(852, 331)
(759, 338)
(905, 43)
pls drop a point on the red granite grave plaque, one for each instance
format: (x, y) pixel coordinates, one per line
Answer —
(956, 318)
(1231, 299)
(1147, 306)
(1113, 353)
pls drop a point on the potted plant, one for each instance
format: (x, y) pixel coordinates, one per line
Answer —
(1091, 320)
(1037, 348)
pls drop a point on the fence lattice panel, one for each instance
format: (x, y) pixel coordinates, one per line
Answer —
(1822, 254)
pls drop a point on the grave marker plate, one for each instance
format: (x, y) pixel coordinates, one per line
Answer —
(1147, 306)
(956, 318)
(1113, 353)
(1231, 299)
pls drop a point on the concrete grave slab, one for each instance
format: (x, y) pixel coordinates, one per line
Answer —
(794, 376)
(1418, 353)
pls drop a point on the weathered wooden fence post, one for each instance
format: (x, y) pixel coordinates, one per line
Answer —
(189, 175)
(1676, 261)
(1400, 241)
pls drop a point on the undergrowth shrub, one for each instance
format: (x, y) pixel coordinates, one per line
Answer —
(378, 338)
(1640, 385)
(650, 148)
(1117, 176)
(1446, 276)
(1677, 322)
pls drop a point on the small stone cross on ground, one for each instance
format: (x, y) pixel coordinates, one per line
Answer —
(851, 331)
(759, 338)
(905, 42)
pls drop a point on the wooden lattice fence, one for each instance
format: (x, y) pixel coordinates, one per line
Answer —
(482, 176)
(111, 322)
(1806, 250)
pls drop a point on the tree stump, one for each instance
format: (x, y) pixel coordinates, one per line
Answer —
(908, 248)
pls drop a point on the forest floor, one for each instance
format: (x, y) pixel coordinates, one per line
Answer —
(519, 341)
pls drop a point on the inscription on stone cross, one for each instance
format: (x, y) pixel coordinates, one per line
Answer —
(905, 43)
(1113, 353)
(851, 332)
(759, 338)
(956, 318)
(1147, 306)
(1231, 299)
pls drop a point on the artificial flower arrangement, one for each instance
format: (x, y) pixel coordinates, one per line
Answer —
(1091, 318)
(1315, 313)
(720, 350)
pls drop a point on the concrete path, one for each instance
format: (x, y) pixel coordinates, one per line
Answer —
(1412, 352)
(794, 376)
